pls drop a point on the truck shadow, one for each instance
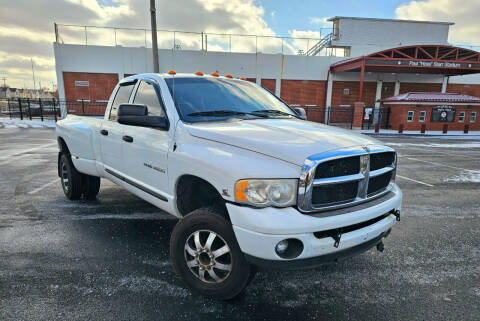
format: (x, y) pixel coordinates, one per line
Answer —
(130, 238)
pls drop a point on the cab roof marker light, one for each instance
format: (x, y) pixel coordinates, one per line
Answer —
(215, 74)
(228, 76)
(243, 78)
(172, 72)
(199, 73)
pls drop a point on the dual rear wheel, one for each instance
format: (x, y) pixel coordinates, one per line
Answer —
(75, 184)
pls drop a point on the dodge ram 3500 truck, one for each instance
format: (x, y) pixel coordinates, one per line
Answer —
(252, 182)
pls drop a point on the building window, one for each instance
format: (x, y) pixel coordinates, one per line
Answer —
(461, 117)
(336, 31)
(81, 83)
(473, 116)
(410, 116)
(346, 91)
(423, 113)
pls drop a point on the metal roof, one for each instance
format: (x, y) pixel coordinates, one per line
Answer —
(434, 97)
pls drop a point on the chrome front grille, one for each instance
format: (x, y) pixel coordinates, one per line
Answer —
(345, 177)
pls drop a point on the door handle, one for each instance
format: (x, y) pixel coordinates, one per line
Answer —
(104, 132)
(128, 139)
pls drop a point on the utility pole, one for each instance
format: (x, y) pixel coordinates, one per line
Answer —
(4, 83)
(153, 16)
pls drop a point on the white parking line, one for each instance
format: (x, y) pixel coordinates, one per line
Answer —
(472, 154)
(423, 155)
(413, 180)
(19, 155)
(439, 164)
(19, 152)
(42, 187)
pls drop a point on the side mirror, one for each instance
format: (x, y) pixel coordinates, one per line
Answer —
(132, 110)
(301, 112)
(137, 115)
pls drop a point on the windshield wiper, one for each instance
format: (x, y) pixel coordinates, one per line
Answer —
(271, 111)
(221, 113)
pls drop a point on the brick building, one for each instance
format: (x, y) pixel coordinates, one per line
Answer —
(434, 110)
(361, 60)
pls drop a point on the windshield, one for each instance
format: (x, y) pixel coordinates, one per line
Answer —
(213, 99)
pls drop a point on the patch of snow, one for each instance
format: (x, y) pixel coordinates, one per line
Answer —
(465, 177)
(436, 145)
(418, 134)
(134, 216)
(18, 123)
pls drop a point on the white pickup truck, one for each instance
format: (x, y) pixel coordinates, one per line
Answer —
(252, 182)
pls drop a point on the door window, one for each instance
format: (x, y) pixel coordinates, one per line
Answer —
(121, 97)
(146, 95)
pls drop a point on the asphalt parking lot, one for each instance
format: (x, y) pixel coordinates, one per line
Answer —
(109, 259)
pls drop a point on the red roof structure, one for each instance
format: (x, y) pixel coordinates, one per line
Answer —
(430, 59)
(419, 59)
(432, 97)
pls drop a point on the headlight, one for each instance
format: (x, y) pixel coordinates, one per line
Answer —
(267, 192)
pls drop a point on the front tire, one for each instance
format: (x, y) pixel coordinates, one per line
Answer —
(206, 255)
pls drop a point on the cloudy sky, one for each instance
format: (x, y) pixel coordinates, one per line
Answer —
(26, 26)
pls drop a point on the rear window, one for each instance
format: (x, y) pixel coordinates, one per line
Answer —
(121, 97)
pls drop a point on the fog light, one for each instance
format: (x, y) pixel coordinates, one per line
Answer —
(281, 247)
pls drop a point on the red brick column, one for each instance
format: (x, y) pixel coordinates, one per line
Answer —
(358, 115)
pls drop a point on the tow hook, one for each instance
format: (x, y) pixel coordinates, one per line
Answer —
(337, 238)
(380, 247)
(396, 213)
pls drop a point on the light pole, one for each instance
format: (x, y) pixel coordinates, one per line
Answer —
(153, 16)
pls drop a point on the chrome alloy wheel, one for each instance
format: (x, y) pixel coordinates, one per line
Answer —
(64, 178)
(208, 256)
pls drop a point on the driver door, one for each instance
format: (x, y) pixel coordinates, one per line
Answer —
(145, 152)
(111, 133)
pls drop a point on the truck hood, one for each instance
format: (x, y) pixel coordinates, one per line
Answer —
(291, 140)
